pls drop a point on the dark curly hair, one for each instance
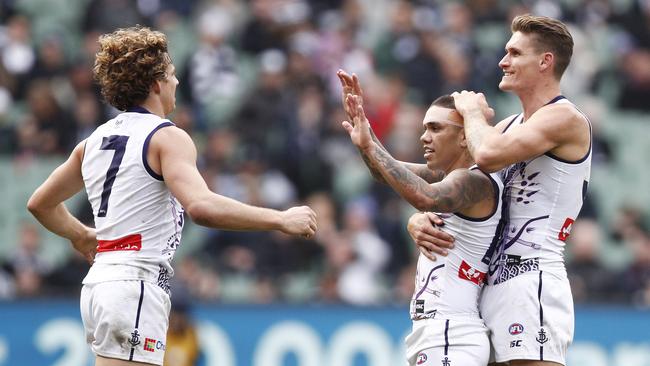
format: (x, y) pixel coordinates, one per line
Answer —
(128, 63)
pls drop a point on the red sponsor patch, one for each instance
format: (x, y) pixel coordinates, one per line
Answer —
(466, 272)
(565, 231)
(129, 242)
(149, 344)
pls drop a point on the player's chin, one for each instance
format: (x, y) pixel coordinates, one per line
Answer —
(431, 165)
(504, 85)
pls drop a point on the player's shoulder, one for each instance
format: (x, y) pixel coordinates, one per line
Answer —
(171, 138)
(564, 113)
(472, 176)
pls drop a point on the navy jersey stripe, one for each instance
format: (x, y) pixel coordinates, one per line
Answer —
(541, 315)
(559, 97)
(446, 337)
(137, 316)
(539, 298)
(505, 217)
(145, 148)
(510, 123)
(138, 109)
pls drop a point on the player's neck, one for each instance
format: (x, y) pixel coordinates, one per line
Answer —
(154, 106)
(464, 161)
(538, 96)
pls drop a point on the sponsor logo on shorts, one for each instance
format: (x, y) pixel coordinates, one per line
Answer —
(160, 345)
(466, 272)
(422, 358)
(446, 361)
(541, 336)
(515, 329)
(149, 344)
(515, 343)
(565, 231)
(135, 338)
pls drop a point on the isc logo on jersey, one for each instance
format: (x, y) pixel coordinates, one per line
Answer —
(422, 358)
(466, 272)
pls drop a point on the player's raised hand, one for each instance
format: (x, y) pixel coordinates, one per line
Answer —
(430, 240)
(468, 102)
(359, 128)
(87, 245)
(300, 220)
(349, 85)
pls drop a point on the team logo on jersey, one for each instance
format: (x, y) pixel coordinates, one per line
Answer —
(446, 361)
(422, 358)
(565, 231)
(135, 338)
(149, 344)
(466, 272)
(541, 336)
(515, 329)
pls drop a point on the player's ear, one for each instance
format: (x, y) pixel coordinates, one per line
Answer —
(156, 87)
(546, 61)
(462, 141)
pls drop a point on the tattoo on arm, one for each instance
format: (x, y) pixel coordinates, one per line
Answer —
(375, 173)
(461, 189)
(421, 170)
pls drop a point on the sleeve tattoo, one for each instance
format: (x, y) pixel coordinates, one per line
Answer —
(462, 188)
(420, 170)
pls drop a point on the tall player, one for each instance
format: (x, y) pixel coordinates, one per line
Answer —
(547, 152)
(447, 326)
(139, 171)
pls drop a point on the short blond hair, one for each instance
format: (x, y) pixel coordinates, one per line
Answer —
(551, 35)
(128, 63)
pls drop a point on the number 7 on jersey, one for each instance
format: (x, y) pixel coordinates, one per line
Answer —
(117, 143)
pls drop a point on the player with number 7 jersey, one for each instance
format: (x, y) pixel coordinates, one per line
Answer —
(138, 221)
(140, 173)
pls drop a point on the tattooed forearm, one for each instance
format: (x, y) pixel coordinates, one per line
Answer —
(421, 170)
(376, 140)
(375, 173)
(461, 189)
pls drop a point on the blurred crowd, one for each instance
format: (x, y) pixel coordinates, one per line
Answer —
(259, 94)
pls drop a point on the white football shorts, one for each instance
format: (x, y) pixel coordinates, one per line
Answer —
(448, 342)
(530, 317)
(126, 320)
